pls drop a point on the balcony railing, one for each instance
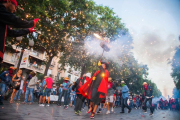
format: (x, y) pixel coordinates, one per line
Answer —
(37, 54)
(10, 59)
(35, 67)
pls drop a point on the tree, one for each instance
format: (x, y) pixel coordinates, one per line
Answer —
(176, 68)
(100, 20)
(176, 93)
(59, 20)
(60, 81)
(40, 76)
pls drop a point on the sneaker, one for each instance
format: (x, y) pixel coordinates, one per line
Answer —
(47, 105)
(144, 111)
(108, 112)
(42, 105)
(79, 112)
(98, 112)
(76, 112)
(112, 110)
(129, 110)
(151, 114)
(91, 117)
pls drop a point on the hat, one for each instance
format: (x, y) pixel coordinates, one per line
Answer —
(13, 1)
(45, 77)
(106, 63)
(88, 75)
(144, 83)
(54, 85)
(122, 82)
(11, 67)
(109, 79)
(60, 85)
(66, 78)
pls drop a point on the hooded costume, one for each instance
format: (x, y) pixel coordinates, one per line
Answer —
(96, 88)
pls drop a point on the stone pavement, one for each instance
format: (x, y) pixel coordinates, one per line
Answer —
(18, 111)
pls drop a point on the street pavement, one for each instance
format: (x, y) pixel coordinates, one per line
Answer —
(18, 111)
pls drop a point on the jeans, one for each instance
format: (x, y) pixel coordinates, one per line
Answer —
(124, 104)
(64, 93)
(29, 91)
(18, 94)
(118, 103)
(150, 104)
(37, 95)
(75, 99)
(68, 100)
(3, 88)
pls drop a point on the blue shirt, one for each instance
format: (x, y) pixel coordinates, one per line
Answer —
(65, 85)
(125, 92)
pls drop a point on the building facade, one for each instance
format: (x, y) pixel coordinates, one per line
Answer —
(33, 60)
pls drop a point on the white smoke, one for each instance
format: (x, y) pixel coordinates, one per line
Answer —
(120, 46)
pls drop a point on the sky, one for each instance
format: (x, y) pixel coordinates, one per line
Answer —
(155, 28)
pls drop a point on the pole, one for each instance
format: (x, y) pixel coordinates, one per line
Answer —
(19, 62)
(102, 55)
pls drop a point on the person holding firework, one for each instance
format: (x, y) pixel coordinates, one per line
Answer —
(96, 88)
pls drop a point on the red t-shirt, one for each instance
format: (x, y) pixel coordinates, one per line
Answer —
(49, 82)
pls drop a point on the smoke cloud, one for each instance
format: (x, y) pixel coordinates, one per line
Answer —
(120, 46)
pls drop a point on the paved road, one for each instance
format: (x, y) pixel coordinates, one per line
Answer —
(18, 111)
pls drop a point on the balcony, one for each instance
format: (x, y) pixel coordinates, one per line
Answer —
(11, 58)
(37, 55)
(37, 68)
(10, 61)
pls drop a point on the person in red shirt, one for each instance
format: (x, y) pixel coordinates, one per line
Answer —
(48, 87)
(96, 88)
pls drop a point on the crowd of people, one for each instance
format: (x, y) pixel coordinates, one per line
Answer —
(85, 91)
(97, 92)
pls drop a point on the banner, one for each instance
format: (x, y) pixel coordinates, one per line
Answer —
(24, 61)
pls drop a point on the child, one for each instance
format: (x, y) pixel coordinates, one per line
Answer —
(118, 101)
(60, 94)
(72, 96)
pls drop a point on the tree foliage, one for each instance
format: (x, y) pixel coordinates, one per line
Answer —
(175, 63)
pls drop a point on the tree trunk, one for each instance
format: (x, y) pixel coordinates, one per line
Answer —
(48, 65)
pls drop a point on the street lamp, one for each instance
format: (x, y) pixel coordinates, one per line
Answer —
(31, 44)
